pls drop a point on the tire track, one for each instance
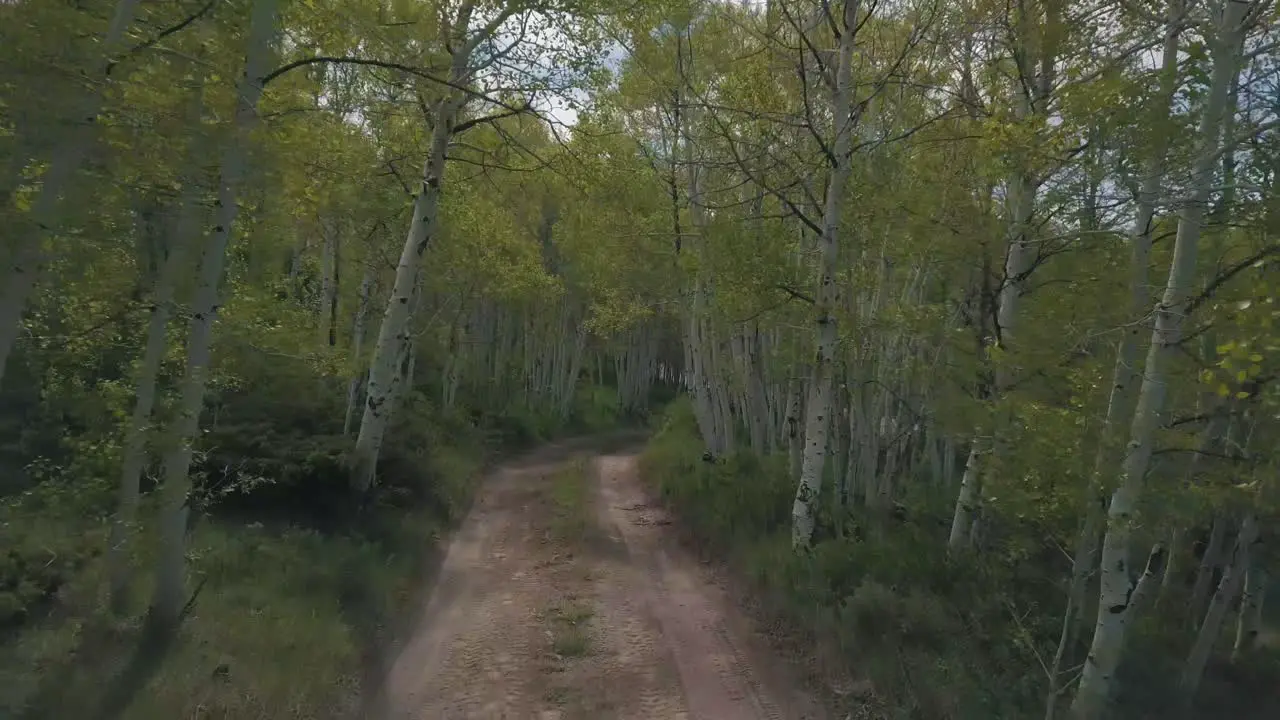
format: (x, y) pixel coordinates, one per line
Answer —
(635, 666)
(475, 654)
(719, 679)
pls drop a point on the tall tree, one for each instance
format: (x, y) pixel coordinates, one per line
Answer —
(1115, 607)
(169, 596)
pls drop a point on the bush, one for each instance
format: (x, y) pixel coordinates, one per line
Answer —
(300, 581)
(298, 593)
(927, 632)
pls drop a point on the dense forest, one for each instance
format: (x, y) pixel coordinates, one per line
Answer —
(951, 327)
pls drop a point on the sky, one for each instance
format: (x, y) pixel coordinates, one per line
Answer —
(557, 109)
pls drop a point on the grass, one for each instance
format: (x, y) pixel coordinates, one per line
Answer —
(919, 635)
(273, 634)
(571, 501)
(570, 629)
(289, 623)
(569, 619)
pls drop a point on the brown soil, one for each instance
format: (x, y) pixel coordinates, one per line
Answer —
(619, 623)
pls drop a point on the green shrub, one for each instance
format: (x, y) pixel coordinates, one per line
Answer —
(927, 631)
(301, 581)
(595, 408)
(45, 542)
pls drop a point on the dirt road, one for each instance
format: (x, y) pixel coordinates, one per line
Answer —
(617, 623)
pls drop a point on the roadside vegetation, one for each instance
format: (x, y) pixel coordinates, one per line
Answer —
(896, 628)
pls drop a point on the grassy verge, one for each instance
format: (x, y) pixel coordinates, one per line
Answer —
(288, 621)
(922, 636)
(918, 637)
(300, 600)
(568, 621)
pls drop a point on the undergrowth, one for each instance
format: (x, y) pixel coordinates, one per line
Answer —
(934, 638)
(299, 587)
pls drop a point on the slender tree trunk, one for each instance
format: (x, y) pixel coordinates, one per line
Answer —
(1117, 586)
(329, 288)
(818, 410)
(1177, 539)
(1233, 577)
(384, 368)
(357, 349)
(1019, 260)
(1146, 585)
(1124, 376)
(698, 356)
(28, 255)
(406, 363)
(967, 499)
(1211, 562)
(794, 430)
(1250, 620)
(167, 601)
(134, 455)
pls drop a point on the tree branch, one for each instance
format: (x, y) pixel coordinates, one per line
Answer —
(163, 34)
(795, 293)
(367, 62)
(1225, 276)
(465, 126)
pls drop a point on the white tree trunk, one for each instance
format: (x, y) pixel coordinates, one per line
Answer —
(357, 349)
(1233, 577)
(818, 411)
(1124, 376)
(170, 571)
(134, 454)
(28, 254)
(1250, 620)
(1211, 561)
(967, 498)
(1020, 255)
(329, 286)
(1117, 584)
(794, 439)
(384, 368)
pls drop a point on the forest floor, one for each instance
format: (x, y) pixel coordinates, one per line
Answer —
(564, 596)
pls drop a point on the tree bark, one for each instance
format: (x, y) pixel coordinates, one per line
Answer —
(134, 454)
(357, 349)
(1250, 620)
(1117, 586)
(329, 286)
(384, 368)
(1124, 376)
(1211, 562)
(168, 598)
(818, 407)
(1233, 577)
